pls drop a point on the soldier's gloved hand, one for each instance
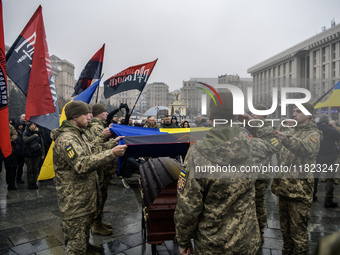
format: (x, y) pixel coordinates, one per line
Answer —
(121, 106)
(119, 150)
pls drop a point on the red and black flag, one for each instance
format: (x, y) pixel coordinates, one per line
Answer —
(134, 77)
(5, 139)
(29, 67)
(92, 70)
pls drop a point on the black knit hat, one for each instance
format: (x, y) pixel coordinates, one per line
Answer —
(75, 108)
(324, 118)
(98, 109)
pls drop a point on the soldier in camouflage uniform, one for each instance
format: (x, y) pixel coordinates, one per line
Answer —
(97, 128)
(76, 179)
(218, 211)
(300, 146)
(261, 183)
(151, 123)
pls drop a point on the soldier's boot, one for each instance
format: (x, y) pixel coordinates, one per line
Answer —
(100, 229)
(107, 225)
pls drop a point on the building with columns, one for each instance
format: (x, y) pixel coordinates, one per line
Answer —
(63, 72)
(313, 64)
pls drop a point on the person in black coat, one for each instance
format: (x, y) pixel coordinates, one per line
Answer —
(34, 152)
(327, 156)
(19, 151)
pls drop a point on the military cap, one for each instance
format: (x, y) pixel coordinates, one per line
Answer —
(75, 108)
(98, 109)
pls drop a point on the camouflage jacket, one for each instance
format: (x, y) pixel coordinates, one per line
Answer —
(262, 132)
(219, 213)
(148, 126)
(300, 148)
(95, 129)
(94, 132)
(75, 169)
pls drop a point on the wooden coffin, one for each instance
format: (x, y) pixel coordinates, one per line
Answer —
(158, 189)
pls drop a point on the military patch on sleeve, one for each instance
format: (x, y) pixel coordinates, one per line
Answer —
(274, 142)
(70, 152)
(181, 180)
(313, 139)
(180, 183)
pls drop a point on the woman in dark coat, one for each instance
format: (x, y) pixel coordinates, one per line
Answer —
(19, 151)
(34, 152)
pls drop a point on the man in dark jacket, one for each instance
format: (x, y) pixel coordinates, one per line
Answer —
(167, 122)
(327, 156)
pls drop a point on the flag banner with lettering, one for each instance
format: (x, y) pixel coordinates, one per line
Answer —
(5, 138)
(29, 67)
(47, 170)
(92, 70)
(134, 77)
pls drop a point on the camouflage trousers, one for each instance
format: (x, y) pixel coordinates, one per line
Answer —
(294, 217)
(102, 193)
(77, 233)
(260, 203)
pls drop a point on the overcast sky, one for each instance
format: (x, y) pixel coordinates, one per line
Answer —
(190, 38)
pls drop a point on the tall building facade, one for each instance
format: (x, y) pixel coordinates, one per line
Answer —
(155, 94)
(63, 72)
(313, 64)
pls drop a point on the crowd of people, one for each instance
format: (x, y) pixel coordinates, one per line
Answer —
(222, 215)
(29, 143)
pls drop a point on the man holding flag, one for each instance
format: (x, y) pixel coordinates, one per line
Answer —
(76, 178)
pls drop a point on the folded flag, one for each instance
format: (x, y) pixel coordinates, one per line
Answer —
(157, 142)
